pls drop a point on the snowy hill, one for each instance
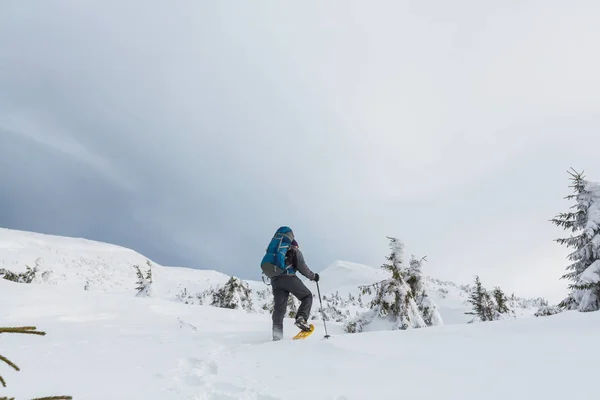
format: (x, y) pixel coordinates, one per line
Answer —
(79, 263)
(115, 346)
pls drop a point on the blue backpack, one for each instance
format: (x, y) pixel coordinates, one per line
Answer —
(273, 263)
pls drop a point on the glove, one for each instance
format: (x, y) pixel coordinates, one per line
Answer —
(316, 279)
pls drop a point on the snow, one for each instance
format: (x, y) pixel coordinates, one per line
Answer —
(116, 346)
(75, 263)
(591, 274)
(106, 343)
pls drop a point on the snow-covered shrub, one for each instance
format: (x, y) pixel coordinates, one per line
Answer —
(515, 302)
(184, 296)
(394, 302)
(584, 222)
(144, 282)
(292, 306)
(198, 298)
(357, 324)
(268, 307)
(545, 311)
(235, 294)
(29, 276)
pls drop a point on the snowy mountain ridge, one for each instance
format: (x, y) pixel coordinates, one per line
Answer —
(96, 266)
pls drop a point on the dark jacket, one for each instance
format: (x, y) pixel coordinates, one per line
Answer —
(295, 258)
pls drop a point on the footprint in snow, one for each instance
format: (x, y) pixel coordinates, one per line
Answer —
(202, 374)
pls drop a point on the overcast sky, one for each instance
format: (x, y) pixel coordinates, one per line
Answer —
(190, 132)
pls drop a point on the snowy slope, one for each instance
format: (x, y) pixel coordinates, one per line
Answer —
(115, 346)
(76, 263)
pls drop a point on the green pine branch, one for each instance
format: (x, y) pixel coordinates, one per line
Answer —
(10, 363)
(43, 398)
(23, 329)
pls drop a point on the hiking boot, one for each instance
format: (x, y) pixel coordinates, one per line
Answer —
(277, 335)
(301, 323)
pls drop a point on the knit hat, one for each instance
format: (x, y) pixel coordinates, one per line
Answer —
(294, 243)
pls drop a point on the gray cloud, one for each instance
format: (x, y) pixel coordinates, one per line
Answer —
(191, 131)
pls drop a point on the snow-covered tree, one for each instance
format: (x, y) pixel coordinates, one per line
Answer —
(483, 307)
(235, 294)
(501, 301)
(393, 301)
(584, 222)
(427, 306)
(144, 282)
(489, 306)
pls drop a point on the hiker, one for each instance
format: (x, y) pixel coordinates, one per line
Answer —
(287, 283)
(280, 263)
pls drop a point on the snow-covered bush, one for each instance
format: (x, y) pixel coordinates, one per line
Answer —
(144, 282)
(292, 306)
(333, 306)
(185, 297)
(198, 298)
(29, 276)
(584, 222)
(545, 311)
(235, 294)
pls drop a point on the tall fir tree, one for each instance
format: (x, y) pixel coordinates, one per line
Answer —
(584, 222)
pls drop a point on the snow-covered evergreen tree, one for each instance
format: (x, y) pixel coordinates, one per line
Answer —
(490, 306)
(144, 282)
(235, 294)
(393, 301)
(483, 307)
(584, 222)
(501, 301)
(427, 306)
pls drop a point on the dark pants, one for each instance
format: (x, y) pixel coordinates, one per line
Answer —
(282, 287)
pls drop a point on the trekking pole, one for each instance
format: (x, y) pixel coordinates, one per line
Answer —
(322, 313)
